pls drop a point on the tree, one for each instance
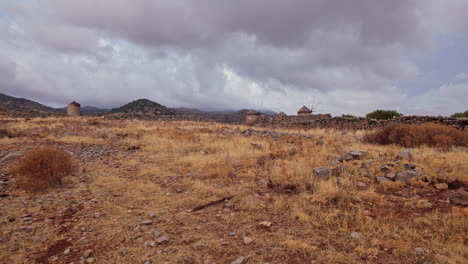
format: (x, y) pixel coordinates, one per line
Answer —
(460, 115)
(383, 114)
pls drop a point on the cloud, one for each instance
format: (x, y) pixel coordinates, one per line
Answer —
(462, 76)
(220, 55)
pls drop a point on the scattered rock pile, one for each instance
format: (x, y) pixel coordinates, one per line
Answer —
(308, 122)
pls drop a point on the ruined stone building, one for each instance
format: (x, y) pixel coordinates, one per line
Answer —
(73, 109)
(304, 111)
(251, 117)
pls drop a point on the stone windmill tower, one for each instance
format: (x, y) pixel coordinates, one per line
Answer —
(73, 109)
(304, 111)
(251, 117)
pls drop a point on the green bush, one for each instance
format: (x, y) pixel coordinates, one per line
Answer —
(348, 116)
(458, 115)
(383, 114)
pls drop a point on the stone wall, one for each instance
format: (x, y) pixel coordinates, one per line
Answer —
(326, 121)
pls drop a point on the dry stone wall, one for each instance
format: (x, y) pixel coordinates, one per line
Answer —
(323, 121)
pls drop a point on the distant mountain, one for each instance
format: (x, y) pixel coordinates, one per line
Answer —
(25, 106)
(187, 111)
(143, 107)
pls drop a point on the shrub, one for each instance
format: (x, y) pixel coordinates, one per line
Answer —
(429, 134)
(383, 114)
(348, 116)
(460, 115)
(42, 168)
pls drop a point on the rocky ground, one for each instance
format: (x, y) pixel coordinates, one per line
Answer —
(193, 192)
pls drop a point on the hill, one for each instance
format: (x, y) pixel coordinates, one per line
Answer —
(88, 110)
(22, 106)
(143, 107)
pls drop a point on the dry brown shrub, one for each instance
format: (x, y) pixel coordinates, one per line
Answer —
(429, 134)
(42, 168)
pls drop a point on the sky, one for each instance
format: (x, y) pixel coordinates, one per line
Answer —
(340, 56)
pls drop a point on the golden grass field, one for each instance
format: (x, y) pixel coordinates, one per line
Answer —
(128, 170)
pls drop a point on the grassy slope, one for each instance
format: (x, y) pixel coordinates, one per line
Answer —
(182, 165)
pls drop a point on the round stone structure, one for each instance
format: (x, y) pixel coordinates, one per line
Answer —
(251, 117)
(73, 109)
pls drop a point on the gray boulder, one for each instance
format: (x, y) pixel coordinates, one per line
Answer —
(405, 176)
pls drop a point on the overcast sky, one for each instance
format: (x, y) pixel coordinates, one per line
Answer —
(353, 56)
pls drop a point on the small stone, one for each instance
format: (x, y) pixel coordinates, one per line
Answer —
(361, 184)
(386, 167)
(67, 251)
(232, 233)
(355, 235)
(356, 155)
(390, 175)
(265, 224)
(240, 260)
(409, 166)
(441, 186)
(322, 172)
(460, 197)
(53, 258)
(162, 240)
(405, 154)
(419, 250)
(90, 260)
(146, 222)
(405, 176)
(148, 262)
(88, 253)
(152, 215)
(427, 205)
(248, 240)
(188, 259)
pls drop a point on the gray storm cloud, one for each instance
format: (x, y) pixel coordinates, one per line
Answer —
(186, 52)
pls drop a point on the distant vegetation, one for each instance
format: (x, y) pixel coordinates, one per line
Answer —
(429, 134)
(348, 116)
(383, 114)
(459, 115)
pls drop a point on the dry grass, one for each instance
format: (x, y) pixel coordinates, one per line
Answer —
(181, 165)
(429, 134)
(42, 168)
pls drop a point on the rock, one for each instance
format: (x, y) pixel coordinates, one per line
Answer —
(355, 235)
(409, 166)
(345, 157)
(240, 260)
(232, 233)
(391, 176)
(338, 170)
(322, 172)
(11, 156)
(265, 224)
(53, 258)
(419, 250)
(460, 197)
(188, 259)
(66, 252)
(248, 240)
(152, 215)
(441, 186)
(146, 222)
(386, 167)
(382, 179)
(148, 262)
(405, 176)
(356, 155)
(361, 184)
(90, 260)
(162, 240)
(88, 253)
(405, 154)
